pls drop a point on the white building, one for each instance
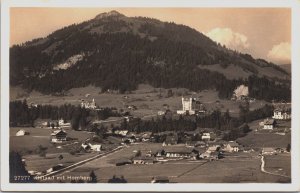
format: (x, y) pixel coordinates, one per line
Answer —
(21, 132)
(269, 124)
(89, 146)
(87, 105)
(62, 123)
(187, 106)
(281, 114)
(205, 136)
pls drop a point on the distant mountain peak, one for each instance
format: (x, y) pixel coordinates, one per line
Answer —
(112, 13)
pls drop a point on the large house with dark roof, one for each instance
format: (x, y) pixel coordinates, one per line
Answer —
(58, 136)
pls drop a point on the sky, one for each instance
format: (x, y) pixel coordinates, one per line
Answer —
(262, 32)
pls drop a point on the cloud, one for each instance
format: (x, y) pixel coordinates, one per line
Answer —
(229, 38)
(280, 53)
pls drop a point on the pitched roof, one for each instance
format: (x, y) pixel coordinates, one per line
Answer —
(269, 121)
(233, 144)
(58, 131)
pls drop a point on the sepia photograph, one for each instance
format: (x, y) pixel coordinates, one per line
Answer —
(157, 95)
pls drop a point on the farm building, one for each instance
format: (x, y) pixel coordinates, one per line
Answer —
(58, 136)
(213, 148)
(22, 132)
(160, 153)
(205, 136)
(205, 155)
(268, 151)
(231, 146)
(269, 124)
(282, 114)
(143, 160)
(62, 123)
(121, 132)
(178, 152)
(55, 168)
(89, 146)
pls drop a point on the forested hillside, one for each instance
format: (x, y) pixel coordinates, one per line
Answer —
(116, 52)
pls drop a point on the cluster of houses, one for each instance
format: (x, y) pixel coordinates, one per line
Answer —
(282, 114)
(210, 151)
(278, 114)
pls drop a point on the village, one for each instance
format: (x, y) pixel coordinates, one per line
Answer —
(63, 149)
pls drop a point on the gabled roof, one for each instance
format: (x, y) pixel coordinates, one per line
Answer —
(58, 131)
(269, 122)
(233, 144)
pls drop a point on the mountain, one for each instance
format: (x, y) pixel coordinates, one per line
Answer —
(287, 67)
(113, 51)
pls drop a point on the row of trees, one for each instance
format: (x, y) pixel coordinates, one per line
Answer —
(21, 114)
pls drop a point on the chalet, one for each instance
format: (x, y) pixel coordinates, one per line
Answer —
(131, 139)
(161, 113)
(269, 124)
(58, 136)
(55, 168)
(22, 132)
(171, 140)
(121, 132)
(282, 114)
(205, 155)
(231, 146)
(160, 153)
(213, 148)
(62, 123)
(146, 136)
(268, 151)
(205, 136)
(178, 152)
(247, 150)
(143, 160)
(90, 147)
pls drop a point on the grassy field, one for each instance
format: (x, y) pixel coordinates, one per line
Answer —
(260, 140)
(145, 98)
(240, 167)
(266, 138)
(40, 136)
(280, 163)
